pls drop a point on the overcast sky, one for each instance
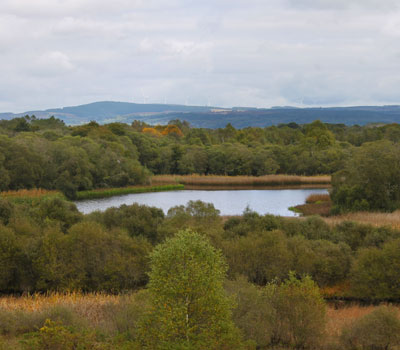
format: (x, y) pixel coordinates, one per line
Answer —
(261, 53)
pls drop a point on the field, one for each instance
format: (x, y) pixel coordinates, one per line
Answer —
(219, 180)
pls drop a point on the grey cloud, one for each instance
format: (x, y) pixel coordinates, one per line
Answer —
(345, 4)
(222, 52)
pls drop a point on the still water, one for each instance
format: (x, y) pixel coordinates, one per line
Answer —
(229, 202)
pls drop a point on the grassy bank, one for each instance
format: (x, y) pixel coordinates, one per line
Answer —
(266, 180)
(109, 192)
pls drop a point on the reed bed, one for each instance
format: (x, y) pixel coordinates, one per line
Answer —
(109, 192)
(32, 193)
(371, 218)
(87, 306)
(91, 307)
(220, 180)
(338, 318)
(30, 197)
(315, 198)
(316, 204)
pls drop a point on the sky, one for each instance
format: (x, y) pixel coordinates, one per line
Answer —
(259, 53)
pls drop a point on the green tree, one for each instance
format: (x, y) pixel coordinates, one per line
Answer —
(190, 309)
(370, 179)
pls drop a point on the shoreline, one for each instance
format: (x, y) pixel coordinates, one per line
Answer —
(118, 191)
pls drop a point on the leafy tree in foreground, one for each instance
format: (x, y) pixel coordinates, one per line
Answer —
(190, 309)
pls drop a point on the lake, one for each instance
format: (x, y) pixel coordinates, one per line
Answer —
(229, 202)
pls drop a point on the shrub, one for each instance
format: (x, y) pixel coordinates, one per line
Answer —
(15, 322)
(378, 330)
(122, 318)
(290, 314)
(254, 313)
(300, 312)
(55, 336)
(376, 272)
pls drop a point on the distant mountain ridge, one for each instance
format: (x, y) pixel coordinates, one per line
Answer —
(214, 117)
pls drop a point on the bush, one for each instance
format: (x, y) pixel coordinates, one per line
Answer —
(55, 336)
(15, 322)
(122, 318)
(290, 314)
(300, 313)
(254, 314)
(379, 330)
(260, 257)
(369, 180)
(376, 272)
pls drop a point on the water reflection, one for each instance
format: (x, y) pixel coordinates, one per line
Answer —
(229, 202)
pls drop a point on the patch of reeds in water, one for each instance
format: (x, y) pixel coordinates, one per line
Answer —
(109, 192)
(318, 198)
(220, 180)
(316, 204)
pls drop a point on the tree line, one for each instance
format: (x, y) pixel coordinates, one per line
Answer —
(45, 153)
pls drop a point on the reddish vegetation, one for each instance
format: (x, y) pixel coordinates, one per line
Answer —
(160, 130)
(33, 193)
(314, 198)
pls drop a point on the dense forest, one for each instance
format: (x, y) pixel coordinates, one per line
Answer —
(45, 153)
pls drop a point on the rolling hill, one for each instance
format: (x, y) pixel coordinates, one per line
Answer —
(214, 117)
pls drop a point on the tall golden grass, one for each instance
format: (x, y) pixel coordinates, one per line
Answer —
(371, 218)
(314, 198)
(220, 180)
(87, 306)
(337, 318)
(90, 307)
(32, 193)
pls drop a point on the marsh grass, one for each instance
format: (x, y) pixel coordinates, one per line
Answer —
(316, 204)
(219, 180)
(315, 198)
(109, 192)
(31, 196)
(119, 314)
(86, 306)
(372, 218)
